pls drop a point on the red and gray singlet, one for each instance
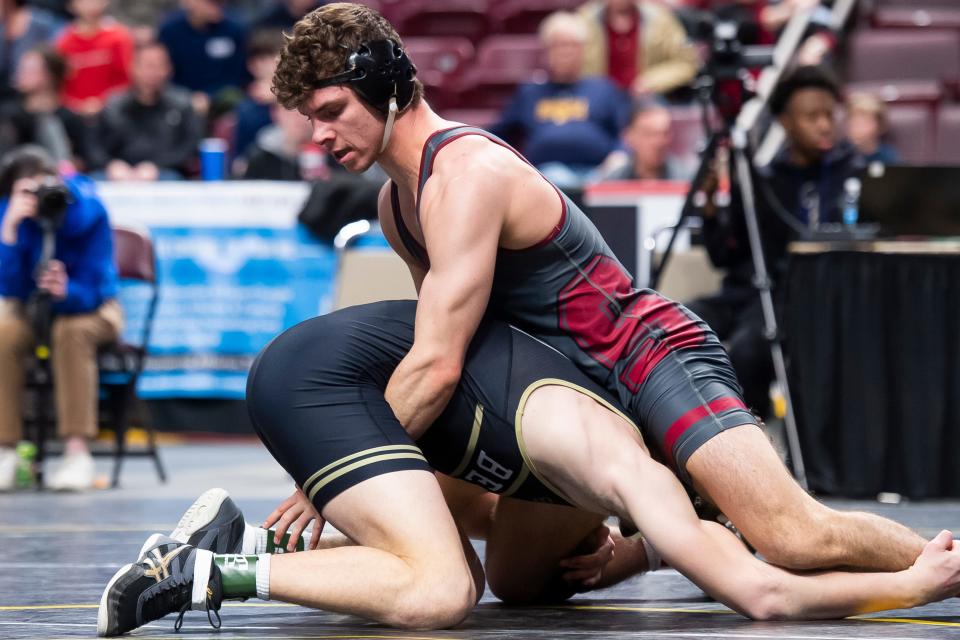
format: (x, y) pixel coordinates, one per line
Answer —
(660, 360)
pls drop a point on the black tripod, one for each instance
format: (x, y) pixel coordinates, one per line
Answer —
(40, 313)
(734, 135)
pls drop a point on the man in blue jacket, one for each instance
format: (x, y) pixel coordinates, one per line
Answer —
(81, 280)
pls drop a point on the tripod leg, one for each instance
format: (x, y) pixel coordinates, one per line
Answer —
(762, 282)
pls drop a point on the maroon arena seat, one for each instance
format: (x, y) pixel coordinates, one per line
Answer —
(913, 16)
(927, 92)
(482, 118)
(904, 54)
(947, 149)
(440, 62)
(949, 4)
(911, 132)
(463, 18)
(525, 16)
(502, 63)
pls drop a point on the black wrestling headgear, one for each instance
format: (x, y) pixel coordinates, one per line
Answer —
(378, 71)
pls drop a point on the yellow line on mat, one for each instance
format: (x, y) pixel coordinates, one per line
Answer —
(932, 623)
(44, 607)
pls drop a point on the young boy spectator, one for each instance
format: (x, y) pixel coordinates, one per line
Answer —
(866, 127)
(283, 151)
(98, 51)
(37, 116)
(149, 132)
(253, 112)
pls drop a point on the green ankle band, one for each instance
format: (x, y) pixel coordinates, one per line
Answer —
(238, 574)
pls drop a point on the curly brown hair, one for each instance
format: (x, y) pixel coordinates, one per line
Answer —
(320, 45)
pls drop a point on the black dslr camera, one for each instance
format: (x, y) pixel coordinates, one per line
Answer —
(53, 198)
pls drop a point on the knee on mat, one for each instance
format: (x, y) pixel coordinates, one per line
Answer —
(799, 543)
(436, 603)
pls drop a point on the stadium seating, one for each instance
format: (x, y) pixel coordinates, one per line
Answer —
(502, 63)
(947, 149)
(525, 16)
(463, 18)
(911, 16)
(911, 132)
(904, 65)
(440, 62)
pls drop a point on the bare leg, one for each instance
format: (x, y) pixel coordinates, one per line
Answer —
(408, 570)
(741, 473)
(597, 460)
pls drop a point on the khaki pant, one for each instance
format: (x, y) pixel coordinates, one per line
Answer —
(74, 341)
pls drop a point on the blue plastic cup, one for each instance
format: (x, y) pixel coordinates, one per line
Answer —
(213, 159)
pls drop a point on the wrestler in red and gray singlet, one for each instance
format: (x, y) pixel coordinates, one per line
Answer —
(661, 361)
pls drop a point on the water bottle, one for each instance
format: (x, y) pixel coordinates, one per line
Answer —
(25, 477)
(851, 201)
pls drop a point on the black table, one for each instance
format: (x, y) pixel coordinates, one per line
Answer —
(873, 344)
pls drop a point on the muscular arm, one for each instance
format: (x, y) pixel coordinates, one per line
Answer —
(461, 219)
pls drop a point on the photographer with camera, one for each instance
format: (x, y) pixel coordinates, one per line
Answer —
(80, 283)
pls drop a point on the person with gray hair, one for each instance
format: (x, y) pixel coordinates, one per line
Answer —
(568, 124)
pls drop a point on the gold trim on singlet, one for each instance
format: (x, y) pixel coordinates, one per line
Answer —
(415, 453)
(518, 423)
(472, 444)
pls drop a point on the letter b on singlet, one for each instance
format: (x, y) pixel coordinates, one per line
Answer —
(487, 472)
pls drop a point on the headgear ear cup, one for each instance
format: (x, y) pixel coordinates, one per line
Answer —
(378, 71)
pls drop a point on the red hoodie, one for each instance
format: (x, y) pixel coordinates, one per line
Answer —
(97, 64)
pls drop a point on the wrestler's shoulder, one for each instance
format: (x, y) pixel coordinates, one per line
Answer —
(478, 156)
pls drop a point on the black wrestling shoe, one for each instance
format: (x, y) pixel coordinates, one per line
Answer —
(170, 577)
(214, 523)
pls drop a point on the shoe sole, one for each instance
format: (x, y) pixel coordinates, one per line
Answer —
(200, 514)
(103, 614)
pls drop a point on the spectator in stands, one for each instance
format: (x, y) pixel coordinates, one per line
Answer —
(149, 132)
(638, 44)
(646, 153)
(22, 28)
(98, 51)
(253, 112)
(866, 127)
(567, 125)
(806, 181)
(283, 150)
(81, 281)
(281, 15)
(208, 51)
(37, 116)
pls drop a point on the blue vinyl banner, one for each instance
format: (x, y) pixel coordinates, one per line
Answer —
(231, 278)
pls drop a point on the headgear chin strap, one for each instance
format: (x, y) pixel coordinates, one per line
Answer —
(382, 75)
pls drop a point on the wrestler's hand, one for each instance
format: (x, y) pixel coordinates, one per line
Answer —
(293, 515)
(585, 571)
(937, 569)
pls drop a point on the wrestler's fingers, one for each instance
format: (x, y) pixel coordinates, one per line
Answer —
(280, 528)
(297, 529)
(315, 535)
(280, 510)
